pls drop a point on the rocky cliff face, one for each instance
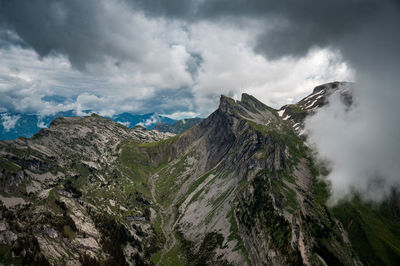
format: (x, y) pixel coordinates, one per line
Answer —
(238, 188)
(255, 190)
(66, 199)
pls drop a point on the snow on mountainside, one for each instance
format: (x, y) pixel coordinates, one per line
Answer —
(296, 113)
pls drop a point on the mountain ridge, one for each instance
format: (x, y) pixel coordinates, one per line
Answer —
(240, 187)
(14, 125)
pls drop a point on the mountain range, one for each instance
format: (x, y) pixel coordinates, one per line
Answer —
(14, 125)
(240, 187)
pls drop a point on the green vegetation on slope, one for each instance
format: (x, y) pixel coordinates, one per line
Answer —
(259, 208)
(281, 134)
(234, 235)
(373, 233)
(205, 254)
(373, 230)
(166, 185)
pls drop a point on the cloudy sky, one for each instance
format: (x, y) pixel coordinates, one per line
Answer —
(171, 57)
(176, 57)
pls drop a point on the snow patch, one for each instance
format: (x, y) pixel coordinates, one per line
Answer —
(310, 105)
(315, 94)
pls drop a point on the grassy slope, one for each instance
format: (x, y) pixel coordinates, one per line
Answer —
(374, 233)
(374, 230)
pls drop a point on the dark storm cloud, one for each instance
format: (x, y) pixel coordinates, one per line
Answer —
(174, 8)
(301, 25)
(9, 38)
(75, 28)
(298, 25)
(193, 64)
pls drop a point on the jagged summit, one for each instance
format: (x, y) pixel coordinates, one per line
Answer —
(246, 100)
(248, 108)
(226, 103)
(251, 101)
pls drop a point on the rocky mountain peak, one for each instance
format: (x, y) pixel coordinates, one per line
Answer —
(226, 104)
(239, 188)
(248, 108)
(251, 101)
(94, 119)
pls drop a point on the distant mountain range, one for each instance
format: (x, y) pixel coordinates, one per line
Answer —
(177, 127)
(14, 125)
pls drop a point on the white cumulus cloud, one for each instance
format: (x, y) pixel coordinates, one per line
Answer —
(9, 121)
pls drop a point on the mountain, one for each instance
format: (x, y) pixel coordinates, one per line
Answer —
(177, 127)
(61, 178)
(296, 113)
(147, 120)
(240, 187)
(373, 229)
(14, 125)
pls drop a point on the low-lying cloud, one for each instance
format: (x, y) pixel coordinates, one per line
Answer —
(360, 145)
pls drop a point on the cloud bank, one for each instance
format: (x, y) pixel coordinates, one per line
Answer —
(132, 56)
